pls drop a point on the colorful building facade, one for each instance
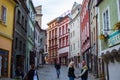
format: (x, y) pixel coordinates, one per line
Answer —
(6, 36)
(30, 47)
(93, 15)
(63, 42)
(85, 31)
(20, 37)
(109, 38)
(74, 30)
(52, 41)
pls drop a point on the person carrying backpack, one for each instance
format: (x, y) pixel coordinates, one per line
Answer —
(32, 74)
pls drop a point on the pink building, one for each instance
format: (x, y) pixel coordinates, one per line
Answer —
(63, 43)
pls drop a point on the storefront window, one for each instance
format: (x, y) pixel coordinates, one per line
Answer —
(3, 63)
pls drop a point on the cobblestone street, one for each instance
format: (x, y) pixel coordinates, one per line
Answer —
(48, 72)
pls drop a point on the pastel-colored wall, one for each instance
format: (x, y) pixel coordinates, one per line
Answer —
(6, 30)
(113, 15)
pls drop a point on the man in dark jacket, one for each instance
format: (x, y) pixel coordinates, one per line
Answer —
(32, 73)
(57, 67)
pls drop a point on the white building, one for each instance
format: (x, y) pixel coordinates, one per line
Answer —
(74, 32)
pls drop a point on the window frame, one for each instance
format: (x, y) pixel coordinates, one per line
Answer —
(104, 24)
(118, 7)
(4, 14)
(18, 16)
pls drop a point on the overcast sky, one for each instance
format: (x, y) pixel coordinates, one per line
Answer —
(53, 8)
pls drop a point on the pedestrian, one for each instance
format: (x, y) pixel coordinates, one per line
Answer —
(71, 70)
(32, 74)
(57, 67)
(19, 73)
(84, 71)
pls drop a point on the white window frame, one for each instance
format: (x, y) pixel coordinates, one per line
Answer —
(118, 7)
(104, 11)
(4, 21)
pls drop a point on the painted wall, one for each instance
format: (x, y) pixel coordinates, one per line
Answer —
(84, 19)
(30, 29)
(112, 6)
(6, 30)
(114, 70)
(74, 27)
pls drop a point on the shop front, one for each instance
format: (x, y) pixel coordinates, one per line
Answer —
(3, 63)
(63, 58)
(109, 59)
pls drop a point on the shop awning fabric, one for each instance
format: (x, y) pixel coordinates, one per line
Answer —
(110, 50)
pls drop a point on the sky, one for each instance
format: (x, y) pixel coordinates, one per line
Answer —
(52, 9)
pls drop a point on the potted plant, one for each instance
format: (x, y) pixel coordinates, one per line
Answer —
(103, 36)
(117, 26)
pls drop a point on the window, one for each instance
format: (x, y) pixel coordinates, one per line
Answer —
(63, 42)
(26, 25)
(59, 31)
(23, 21)
(24, 48)
(74, 46)
(78, 44)
(18, 17)
(3, 15)
(4, 62)
(16, 41)
(118, 2)
(36, 35)
(66, 28)
(41, 40)
(60, 43)
(62, 29)
(66, 40)
(20, 45)
(56, 31)
(106, 20)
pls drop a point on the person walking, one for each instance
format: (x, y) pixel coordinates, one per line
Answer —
(71, 70)
(19, 73)
(84, 71)
(32, 74)
(57, 67)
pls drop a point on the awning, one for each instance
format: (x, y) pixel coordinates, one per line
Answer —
(111, 49)
(63, 54)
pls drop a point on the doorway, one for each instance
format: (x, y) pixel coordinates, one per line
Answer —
(3, 63)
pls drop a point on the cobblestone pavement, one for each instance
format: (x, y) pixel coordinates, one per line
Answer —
(48, 72)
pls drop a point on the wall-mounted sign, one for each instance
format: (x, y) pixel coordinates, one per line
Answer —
(114, 38)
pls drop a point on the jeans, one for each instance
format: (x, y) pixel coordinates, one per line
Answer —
(84, 78)
(71, 78)
(58, 72)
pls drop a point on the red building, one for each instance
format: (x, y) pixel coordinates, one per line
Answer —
(85, 31)
(63, 43)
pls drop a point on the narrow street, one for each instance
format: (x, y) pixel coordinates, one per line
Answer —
(48, 72)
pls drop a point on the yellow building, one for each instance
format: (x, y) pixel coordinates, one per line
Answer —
(6, 35)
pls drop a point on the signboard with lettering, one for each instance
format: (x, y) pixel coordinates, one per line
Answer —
(114, 38)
